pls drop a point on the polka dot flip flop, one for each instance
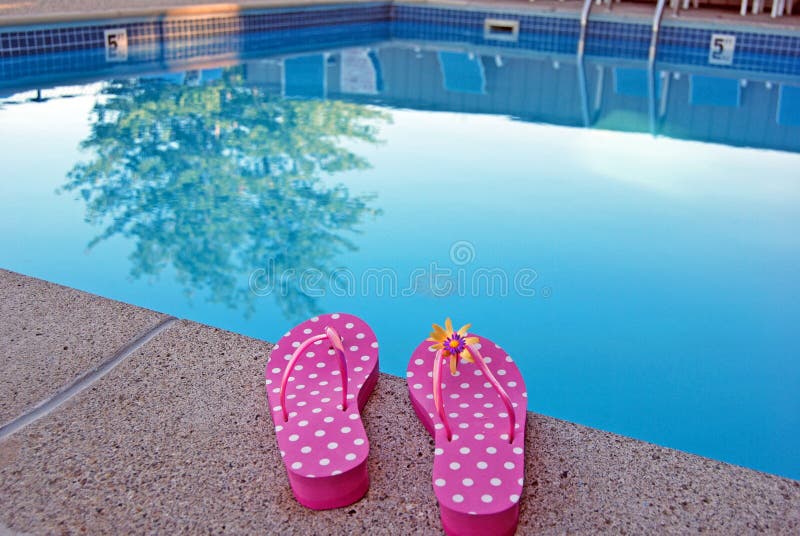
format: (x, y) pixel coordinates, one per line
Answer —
(318, 378)
(477, 418)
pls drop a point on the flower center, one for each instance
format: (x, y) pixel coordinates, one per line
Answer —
(455, 344)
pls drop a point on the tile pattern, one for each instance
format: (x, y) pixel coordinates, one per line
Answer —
(536, 32)
(42, 49)
(89, 35)
(618, 39)
(92, 61)
(765, 52)
(22, 41)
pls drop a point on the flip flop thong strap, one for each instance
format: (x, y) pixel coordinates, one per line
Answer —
(336, 342)
(437, 391)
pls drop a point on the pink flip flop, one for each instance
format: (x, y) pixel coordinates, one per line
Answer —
(477, 418)
(318, 379)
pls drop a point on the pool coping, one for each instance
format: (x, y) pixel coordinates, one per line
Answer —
(35, 337)
(577, 479)
(620, 12)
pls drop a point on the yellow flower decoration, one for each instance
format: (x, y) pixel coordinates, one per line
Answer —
(452, 343)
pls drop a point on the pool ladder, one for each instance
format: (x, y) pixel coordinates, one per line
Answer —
(587, 8)
(651, 64)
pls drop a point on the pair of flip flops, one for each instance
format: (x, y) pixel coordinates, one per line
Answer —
(465, 389)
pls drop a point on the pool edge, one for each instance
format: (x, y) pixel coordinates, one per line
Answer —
(577, 478)
(555, 8)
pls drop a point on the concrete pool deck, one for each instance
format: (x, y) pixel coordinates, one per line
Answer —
(176, 438)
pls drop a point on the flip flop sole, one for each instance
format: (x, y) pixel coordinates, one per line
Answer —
(477, 475)
(324, 447)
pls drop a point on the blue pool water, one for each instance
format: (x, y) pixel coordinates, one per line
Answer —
(646, 284)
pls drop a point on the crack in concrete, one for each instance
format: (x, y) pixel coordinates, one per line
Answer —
(84, 381)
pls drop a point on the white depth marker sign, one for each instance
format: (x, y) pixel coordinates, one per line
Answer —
(721, 49)
(116, 41)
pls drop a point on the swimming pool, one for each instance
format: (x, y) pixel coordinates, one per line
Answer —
(643, 271)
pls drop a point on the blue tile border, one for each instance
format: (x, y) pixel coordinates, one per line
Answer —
(618, 39)
(173, 55)
(185, 36)
(763, 52)
(72, 36)
(536, 32)
(766, 52)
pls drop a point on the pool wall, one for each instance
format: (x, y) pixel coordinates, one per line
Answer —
(545, 88)
(174, 35)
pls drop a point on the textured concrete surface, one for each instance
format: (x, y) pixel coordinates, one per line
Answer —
(176, 439)
(22, 11)
(50, 335)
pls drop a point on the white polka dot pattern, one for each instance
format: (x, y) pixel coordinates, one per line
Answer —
(321, 439)
(479, 470)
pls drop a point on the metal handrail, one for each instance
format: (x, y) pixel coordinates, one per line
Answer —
(651, 63)
(587, 7)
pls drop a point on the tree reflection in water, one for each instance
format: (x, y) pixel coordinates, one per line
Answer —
(213, 181)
